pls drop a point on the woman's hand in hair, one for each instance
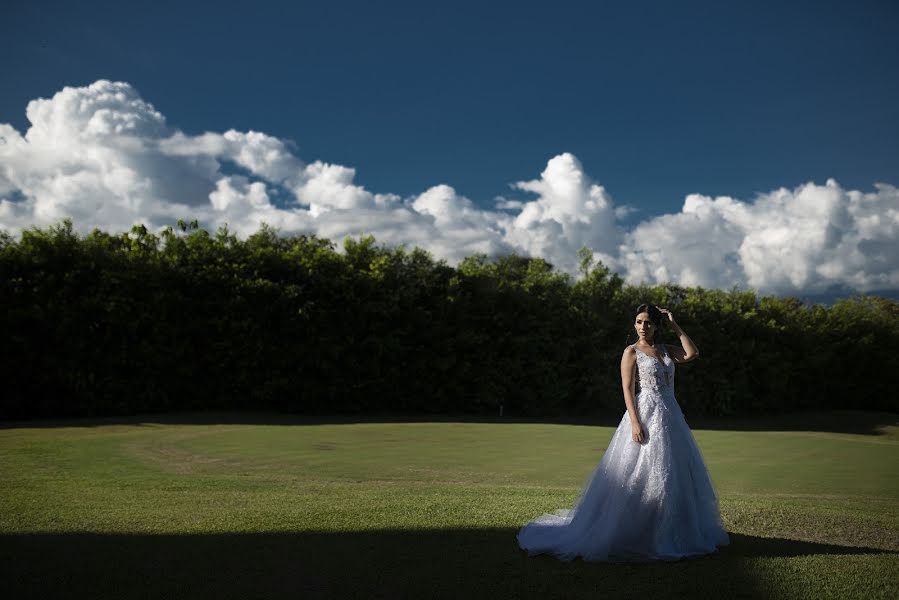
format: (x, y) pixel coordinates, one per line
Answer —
(667, 313)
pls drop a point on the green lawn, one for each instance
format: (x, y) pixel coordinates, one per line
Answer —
(164, 507)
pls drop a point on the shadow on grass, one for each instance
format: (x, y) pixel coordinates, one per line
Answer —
(844, 421)
(471, 563)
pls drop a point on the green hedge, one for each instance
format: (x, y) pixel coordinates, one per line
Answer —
(135, 322)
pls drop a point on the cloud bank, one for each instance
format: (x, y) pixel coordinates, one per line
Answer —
(104, 157)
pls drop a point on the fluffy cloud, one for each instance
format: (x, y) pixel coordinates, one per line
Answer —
(106, 158)
(571, 211)
(787, 241)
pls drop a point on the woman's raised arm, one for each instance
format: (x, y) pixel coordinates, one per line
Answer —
(688, 351)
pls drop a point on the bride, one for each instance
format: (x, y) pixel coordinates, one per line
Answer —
(650, 497)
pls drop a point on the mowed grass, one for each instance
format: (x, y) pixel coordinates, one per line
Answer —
(151, 508)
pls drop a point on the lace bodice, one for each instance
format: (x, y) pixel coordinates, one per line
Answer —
(654, 375)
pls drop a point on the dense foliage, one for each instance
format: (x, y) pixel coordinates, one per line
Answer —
(111, 324)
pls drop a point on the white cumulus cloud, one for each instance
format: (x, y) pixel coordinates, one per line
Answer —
(796, 241)
(105, 157)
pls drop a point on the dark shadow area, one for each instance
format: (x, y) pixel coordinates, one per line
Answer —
(467, 563)
(846, 421)
(751, 545)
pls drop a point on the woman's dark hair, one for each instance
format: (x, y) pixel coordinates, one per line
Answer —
(655, 315)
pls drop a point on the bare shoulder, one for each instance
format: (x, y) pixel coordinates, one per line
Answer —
(629, 354)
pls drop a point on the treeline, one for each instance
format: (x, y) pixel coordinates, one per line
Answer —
(188, 319)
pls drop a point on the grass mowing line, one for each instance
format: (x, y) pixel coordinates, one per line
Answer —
(854, 438)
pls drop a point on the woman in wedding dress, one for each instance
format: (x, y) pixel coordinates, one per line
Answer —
(650, 497)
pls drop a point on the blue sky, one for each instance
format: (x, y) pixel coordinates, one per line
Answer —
(656, 100)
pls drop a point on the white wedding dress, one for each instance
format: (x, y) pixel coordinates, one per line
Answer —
(644, 501)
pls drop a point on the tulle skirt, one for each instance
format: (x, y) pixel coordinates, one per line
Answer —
(644, 501)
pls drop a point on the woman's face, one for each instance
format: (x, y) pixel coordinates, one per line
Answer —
(645, 327)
